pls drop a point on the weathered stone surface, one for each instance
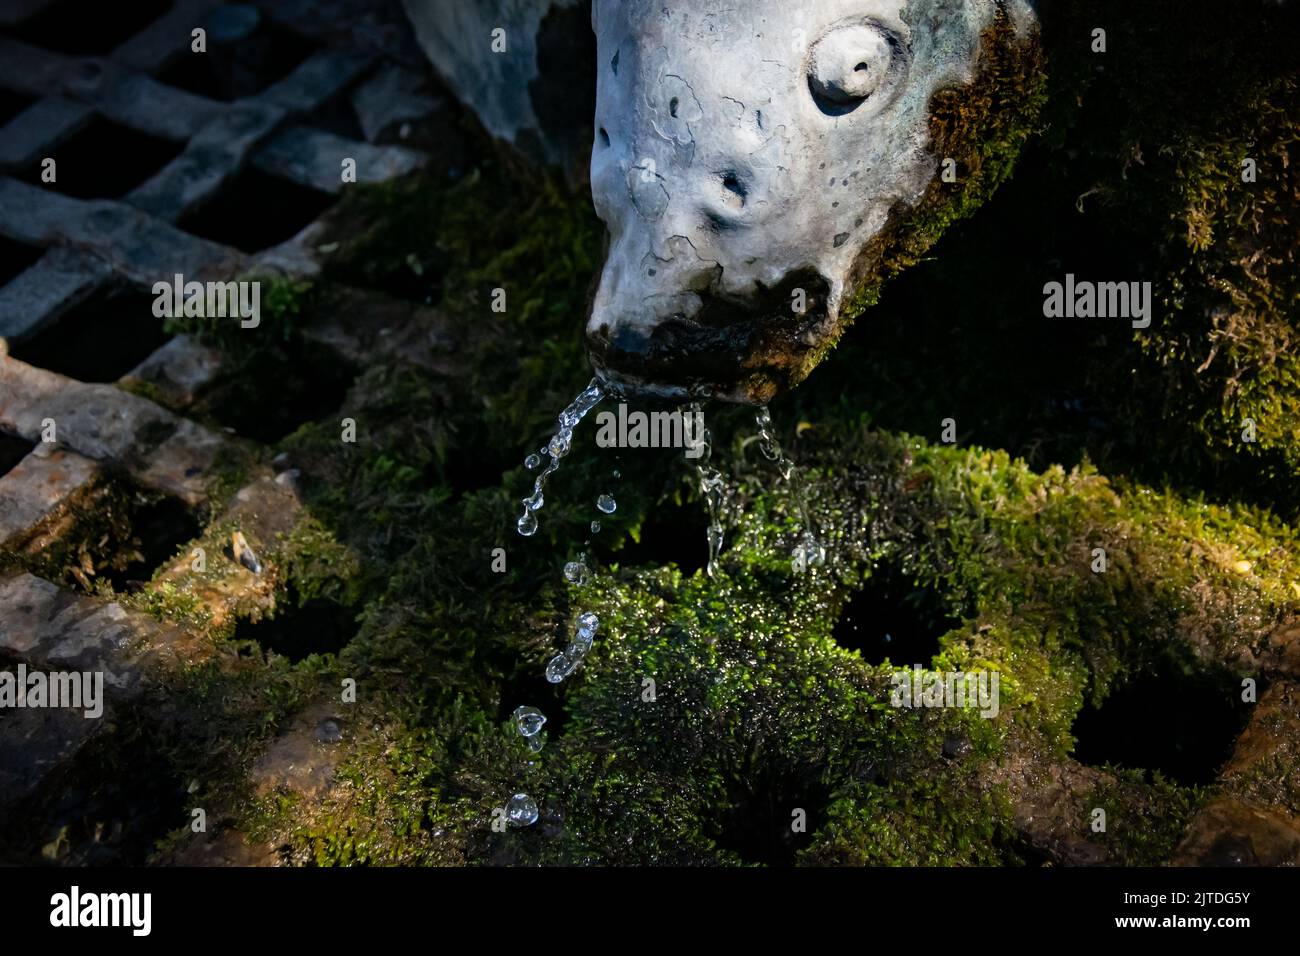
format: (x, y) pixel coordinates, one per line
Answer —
(390, 97)
(298, 760)
(314, 158)
(734, 166)
(178, 370)
(105, 423)
(38, 490)
(534, 94)
(45, 123)
(136, 245)
(212, 156)
(60, 280)
(50, 629)
(1051, 807)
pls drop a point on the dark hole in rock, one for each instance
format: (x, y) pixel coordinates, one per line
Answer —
(104, 161)
(88, 27)
(16, 258)
(1165, 717)
(158, 527)
(271, 392)
(894, 618)
(298, 630)
(257, 211)
(238, 66)
(11, 104)
(338, 116)
(670, 533)
(12, 450)
(100, 340)
(757, 823)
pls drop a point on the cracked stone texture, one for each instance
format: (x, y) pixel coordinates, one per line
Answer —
(750, 150)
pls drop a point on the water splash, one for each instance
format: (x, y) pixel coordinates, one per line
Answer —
(712, 489)
(521, 811)
(606, 504)
(566, 662)
(577, 572)
(529, 721)
(556, 449)
(808, 552)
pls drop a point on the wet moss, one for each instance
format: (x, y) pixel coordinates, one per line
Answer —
(755, 713)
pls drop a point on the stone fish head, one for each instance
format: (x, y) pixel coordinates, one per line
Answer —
(750, 161)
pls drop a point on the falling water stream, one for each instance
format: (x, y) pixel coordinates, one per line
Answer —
(809, 552)
(712, 488)
(556, 449)
(521, 809)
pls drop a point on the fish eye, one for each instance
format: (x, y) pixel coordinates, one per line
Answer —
(853, 63)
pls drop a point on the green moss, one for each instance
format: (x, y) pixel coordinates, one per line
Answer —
(756, 712)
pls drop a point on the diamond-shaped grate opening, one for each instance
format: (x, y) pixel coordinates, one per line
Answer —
(16, 258)
(12, 450)
(892, 618)
(88, 27)
(298, 630)
(256, 211)
(11, 104)
(339, 117)
(1167, 717)
(99, 340)
(159, 526)
(237, 65)
(104, 161)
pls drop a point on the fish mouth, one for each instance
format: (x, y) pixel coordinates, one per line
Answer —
(741, 350)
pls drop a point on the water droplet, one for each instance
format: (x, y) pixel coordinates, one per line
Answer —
(521, 811)
(532, 462)
(560, 667)
(606, 504)
(557, 448)
(577, 572)
(529, 721)
(536, 743)
(595, 527)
